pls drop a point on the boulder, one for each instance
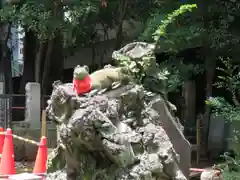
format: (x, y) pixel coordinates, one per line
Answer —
(124, 134)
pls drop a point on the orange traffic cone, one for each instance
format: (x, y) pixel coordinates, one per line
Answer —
(1, 141)
(41, 159)
(7, 161)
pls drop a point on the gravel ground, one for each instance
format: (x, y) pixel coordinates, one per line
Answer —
(58, 175)
(24, 166)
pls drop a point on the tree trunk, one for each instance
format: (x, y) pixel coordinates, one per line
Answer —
(39, 62)
(119, 36)
(29, 52)
(47, 63)
(6, 57)
(54, 59)
(210, 63)
(119, 31)
(7, 65)
(210, 66)
(53, 66)
(189, 94)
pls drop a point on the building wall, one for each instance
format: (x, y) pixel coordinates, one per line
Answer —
(84, 56)
(104, 48)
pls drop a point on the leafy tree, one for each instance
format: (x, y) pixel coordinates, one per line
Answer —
(50, 37)
(139, 69)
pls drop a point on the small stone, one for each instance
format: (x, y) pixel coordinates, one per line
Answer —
(211, 175)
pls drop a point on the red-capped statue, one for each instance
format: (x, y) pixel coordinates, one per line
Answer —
(82, 82)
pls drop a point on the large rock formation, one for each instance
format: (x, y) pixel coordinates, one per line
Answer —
(122, 134)
(119, 135)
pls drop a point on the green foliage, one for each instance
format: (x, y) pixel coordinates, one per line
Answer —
(215, 27)
(223, 108)
(222, 24)
(41, 19)
(137, 68)
(229, 80)
(232, 165)
(231, 175)
(231, 168)
(45, 18)
(179, 72)
(140, 68)
(163, 28)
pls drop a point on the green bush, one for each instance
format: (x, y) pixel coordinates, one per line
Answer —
(230, 81)
(231, 175)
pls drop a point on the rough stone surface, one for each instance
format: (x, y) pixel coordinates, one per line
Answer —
(211, 175)
(33, 104)
(59, 175)
(123, 134)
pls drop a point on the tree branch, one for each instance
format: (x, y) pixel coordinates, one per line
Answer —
(121, 12)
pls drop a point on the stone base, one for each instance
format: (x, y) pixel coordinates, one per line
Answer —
(25, 176)
(211, 175)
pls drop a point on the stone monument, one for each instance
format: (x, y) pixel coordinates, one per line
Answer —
(33, 105)
(124, 133)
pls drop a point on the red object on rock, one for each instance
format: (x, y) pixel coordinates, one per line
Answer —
(82, 86)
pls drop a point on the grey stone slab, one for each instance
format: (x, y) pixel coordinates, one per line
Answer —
(25, 176)
(33, 104)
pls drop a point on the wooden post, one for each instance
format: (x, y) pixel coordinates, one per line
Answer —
(44, 123)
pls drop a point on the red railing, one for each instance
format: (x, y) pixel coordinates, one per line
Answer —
(17, 105)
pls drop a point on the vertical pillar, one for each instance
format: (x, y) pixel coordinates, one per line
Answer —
(33, 105)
